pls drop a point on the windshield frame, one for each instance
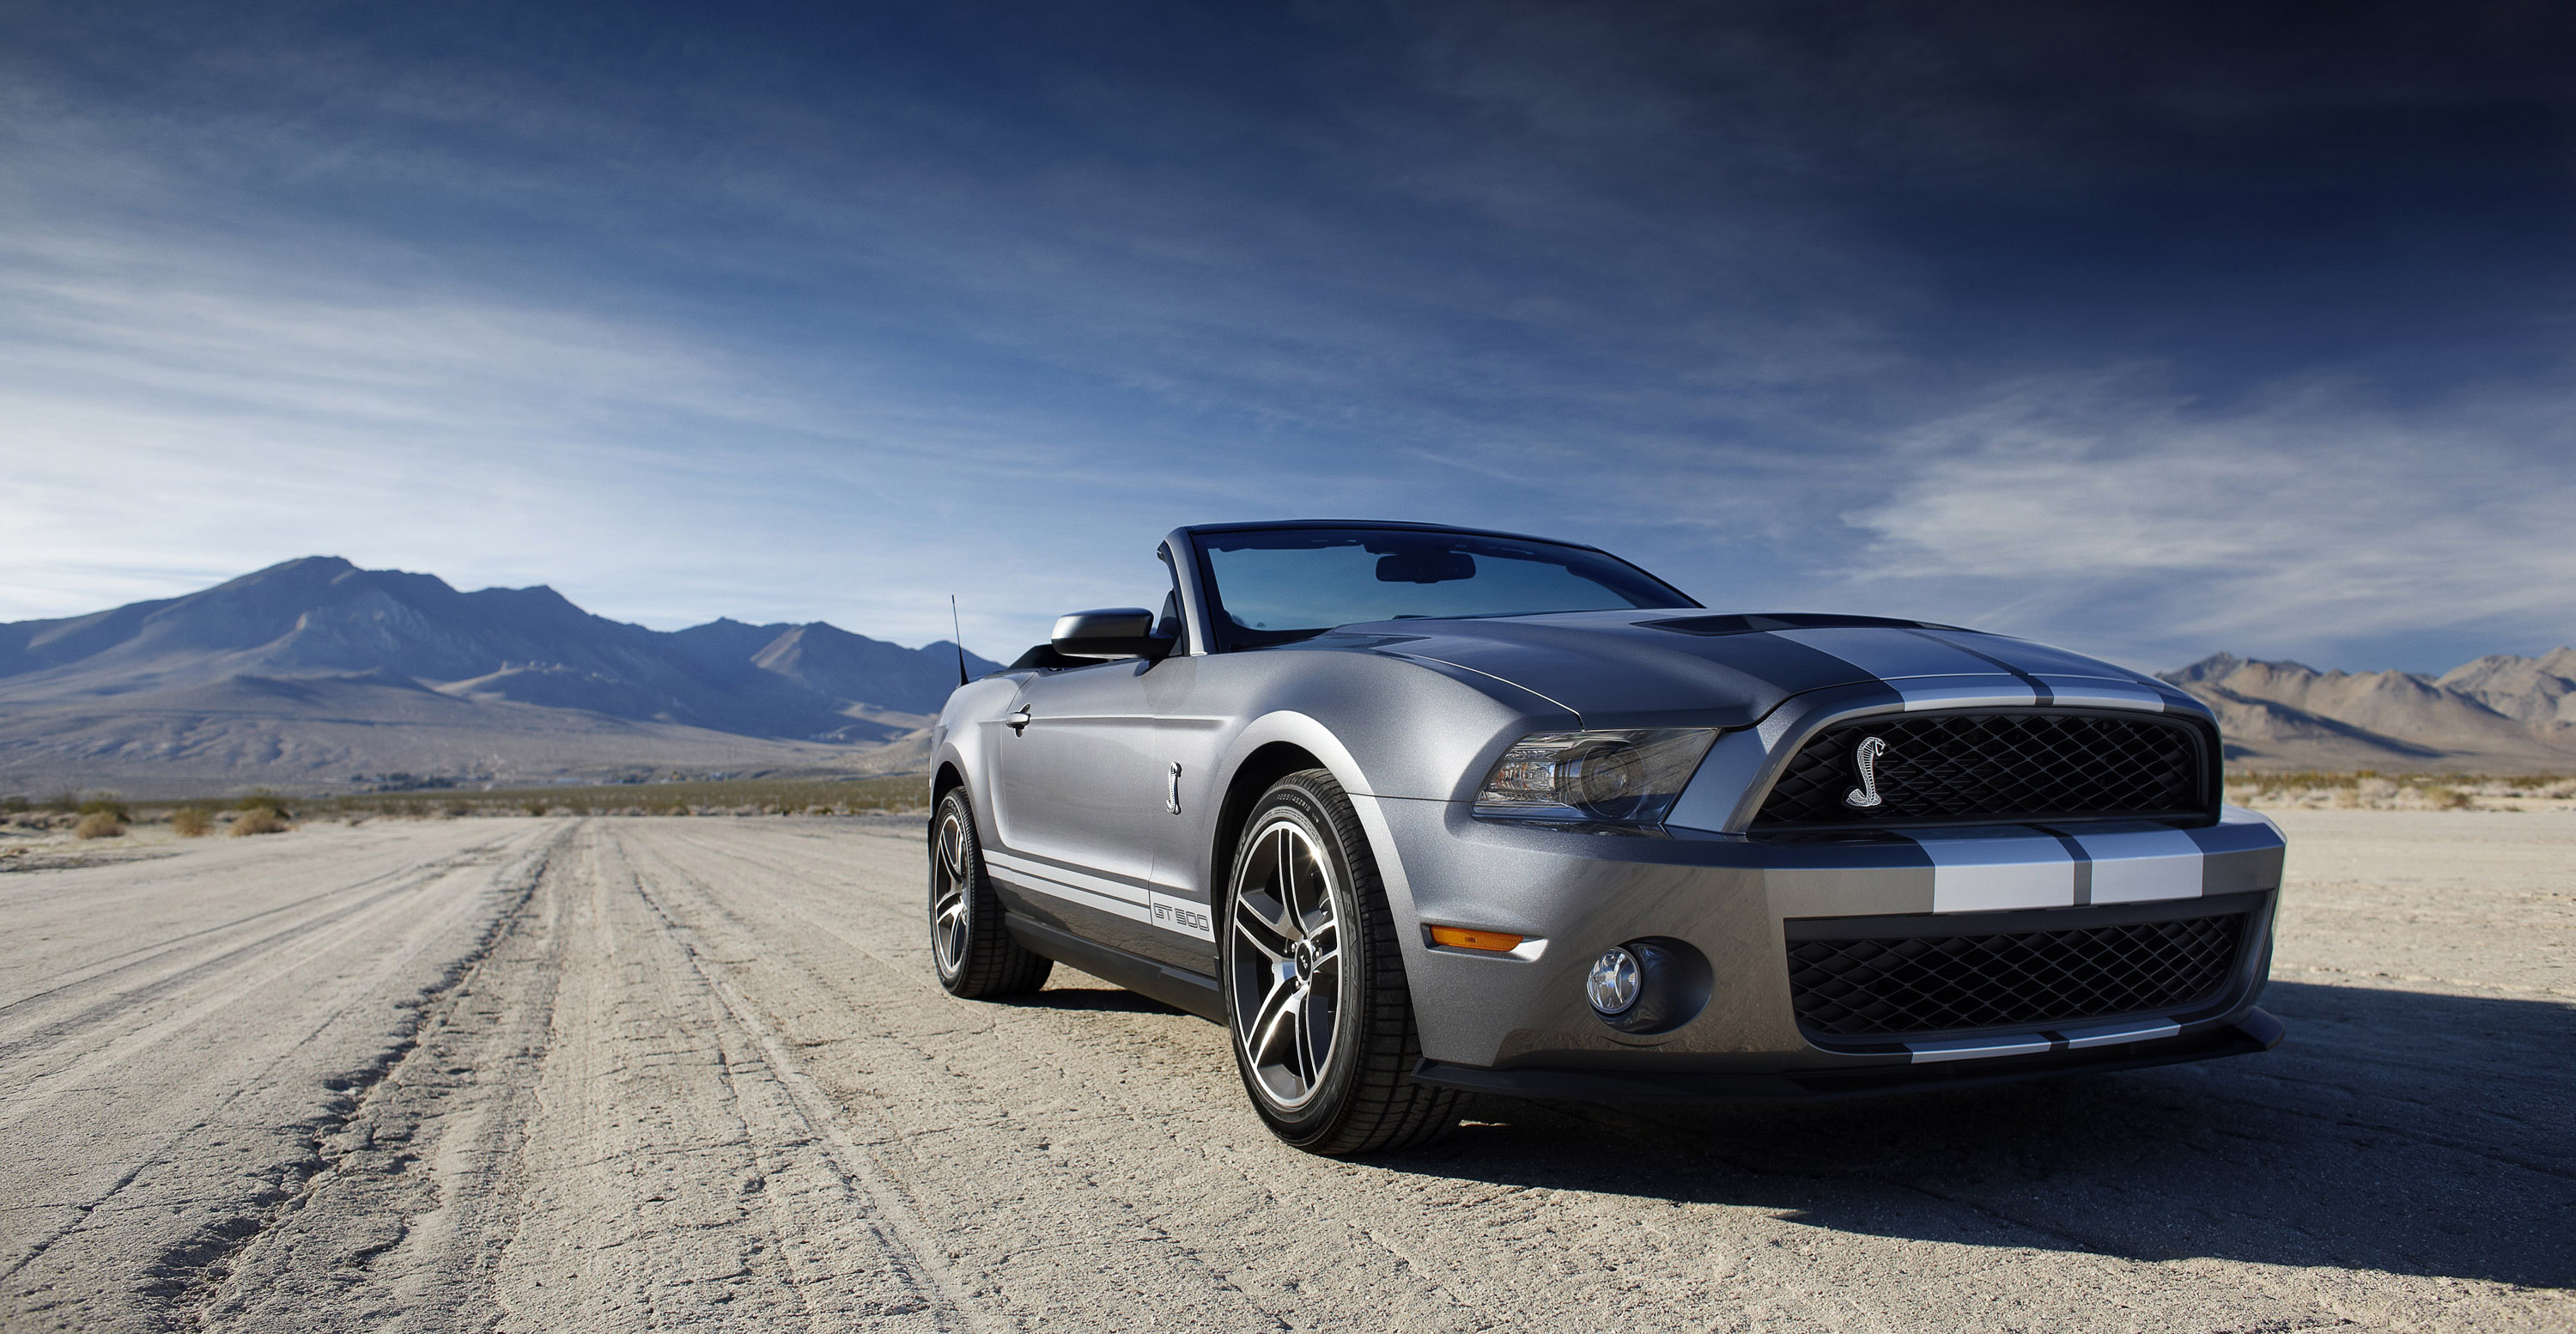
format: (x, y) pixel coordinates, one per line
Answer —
(1222, 636)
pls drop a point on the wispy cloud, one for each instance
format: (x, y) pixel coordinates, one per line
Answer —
(2307, 522)
(832, 321)
(175, 418)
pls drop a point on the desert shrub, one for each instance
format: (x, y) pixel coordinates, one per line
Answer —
(192, 821)
(259, 821)
(99, 824)
(265, 800)
(105, 803)
(14, 805)
(2446, 798)
(761, 796)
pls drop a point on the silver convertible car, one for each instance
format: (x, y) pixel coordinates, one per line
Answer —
(1416, 811)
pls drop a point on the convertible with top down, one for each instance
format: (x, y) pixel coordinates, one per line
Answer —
(1417, 810)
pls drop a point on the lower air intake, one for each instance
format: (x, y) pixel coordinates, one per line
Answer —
(1907, 986)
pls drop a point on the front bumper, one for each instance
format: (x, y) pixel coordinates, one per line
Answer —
(2254, 1030)
(1519, 1022)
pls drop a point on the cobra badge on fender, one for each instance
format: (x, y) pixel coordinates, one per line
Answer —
(1865, 763)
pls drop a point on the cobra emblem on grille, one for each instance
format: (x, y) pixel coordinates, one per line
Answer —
(1865, 763)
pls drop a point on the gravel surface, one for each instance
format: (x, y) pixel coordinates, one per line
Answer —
(633, 1074)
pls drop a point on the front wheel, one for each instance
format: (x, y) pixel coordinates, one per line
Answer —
(1316, 996)
(969, 947)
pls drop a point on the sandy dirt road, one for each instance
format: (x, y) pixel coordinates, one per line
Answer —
(653, 1074)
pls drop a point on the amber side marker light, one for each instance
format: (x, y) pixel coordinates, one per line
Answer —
(1460, 938)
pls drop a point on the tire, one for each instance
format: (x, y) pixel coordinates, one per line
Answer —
(970, 949)
(1328, 970)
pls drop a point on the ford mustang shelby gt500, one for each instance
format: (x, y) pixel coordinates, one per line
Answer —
(1417, 810)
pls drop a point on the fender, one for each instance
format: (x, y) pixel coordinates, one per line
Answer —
(956, 741)
(1301, 730)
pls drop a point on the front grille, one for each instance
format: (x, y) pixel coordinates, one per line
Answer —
(1912, 985)
(2002, 768)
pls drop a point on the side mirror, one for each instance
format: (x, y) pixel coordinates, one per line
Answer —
(1115, 632)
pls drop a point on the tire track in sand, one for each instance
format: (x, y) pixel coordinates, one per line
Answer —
(118, 1212)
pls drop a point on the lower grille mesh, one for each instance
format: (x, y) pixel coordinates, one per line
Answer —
(2026, 979)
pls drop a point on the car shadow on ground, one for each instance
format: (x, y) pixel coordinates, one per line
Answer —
(2398, 1131)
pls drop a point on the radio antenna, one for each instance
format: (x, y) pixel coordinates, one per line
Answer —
(959, 641)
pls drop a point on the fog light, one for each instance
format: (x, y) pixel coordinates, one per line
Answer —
(1613, 984)
(1649, 986)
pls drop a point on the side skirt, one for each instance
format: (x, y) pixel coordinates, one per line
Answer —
(1194, 992)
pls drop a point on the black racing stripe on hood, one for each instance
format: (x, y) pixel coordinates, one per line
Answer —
(1752, 623)
(1794, 667)
(2038, 688)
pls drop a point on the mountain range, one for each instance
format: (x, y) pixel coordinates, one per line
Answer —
(2500, 714)
(318, 674)
(315, 672)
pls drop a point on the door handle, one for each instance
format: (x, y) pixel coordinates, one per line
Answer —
(1019, 721)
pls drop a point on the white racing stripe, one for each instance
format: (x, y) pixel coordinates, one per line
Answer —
(1964, 1049)
(1066, 875)
(2113, 1034)
(2095, 693)
(2142, 866)
(1987, 872)
(1136, 903)
(2029, 1044)
(1189, 917)
(1038, 884)
(1994, 692)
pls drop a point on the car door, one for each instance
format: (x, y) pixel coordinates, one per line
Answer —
(1077, 791)
(1189, 739)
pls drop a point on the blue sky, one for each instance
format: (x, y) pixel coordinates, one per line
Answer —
(2150, 330)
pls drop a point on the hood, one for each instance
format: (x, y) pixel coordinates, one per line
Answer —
(1730, 670)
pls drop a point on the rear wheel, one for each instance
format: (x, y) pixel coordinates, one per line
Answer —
(1316, 996)
(971, 949)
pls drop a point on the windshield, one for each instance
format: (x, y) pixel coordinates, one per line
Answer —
(1276, 585)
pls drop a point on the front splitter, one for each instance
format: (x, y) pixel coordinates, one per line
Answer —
(2254, 1031)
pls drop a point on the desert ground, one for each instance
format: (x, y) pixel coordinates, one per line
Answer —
(631, 1074)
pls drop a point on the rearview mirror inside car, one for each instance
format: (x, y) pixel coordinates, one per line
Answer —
(1113, 632)
(1424, 566)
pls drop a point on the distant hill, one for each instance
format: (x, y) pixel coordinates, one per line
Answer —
(2499, 714)
(316, 672)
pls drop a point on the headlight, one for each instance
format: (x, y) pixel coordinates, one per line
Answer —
(1630, 777)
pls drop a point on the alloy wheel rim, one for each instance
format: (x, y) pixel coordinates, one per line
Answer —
(948, 894)
(1287, 968)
